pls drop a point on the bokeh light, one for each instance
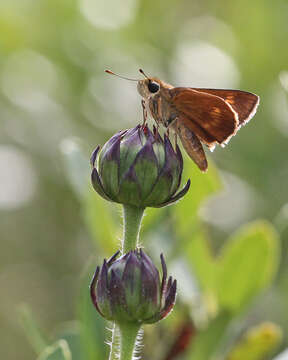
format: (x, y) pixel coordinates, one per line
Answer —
(200, 64)
(233, 206)
(18, 178)
(28, 79)
(109, 14)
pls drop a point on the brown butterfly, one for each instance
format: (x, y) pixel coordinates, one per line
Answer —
(208, 116)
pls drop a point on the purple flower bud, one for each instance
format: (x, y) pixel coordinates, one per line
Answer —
(137, 167)
(129, 289)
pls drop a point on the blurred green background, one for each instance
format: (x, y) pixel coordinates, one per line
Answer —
(57, 104)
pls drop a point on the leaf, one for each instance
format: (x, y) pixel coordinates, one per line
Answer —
(58, 351)
(202, 186)
(93, 331)
(100, 217)
(31, 329)
(187, 226)
(247, 264)
(70, 331)
(257, 343)
(198, 254)
(207, 340)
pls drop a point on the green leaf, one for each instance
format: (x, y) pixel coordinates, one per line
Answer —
(207, 341)
(198, 253)
(101, 218)
(247, 264)
(257, 343)
(32, 331)
(70, 331)
(188, 228)
(93, 331)
(58, 351)
(202, 186)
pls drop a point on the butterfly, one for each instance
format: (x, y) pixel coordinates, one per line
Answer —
(198, 116)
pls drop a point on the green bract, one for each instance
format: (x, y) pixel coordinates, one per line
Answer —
(137, 167)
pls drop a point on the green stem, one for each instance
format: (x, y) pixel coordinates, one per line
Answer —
(114, 343)
(128, 337)
(125, 334)
(132, 221)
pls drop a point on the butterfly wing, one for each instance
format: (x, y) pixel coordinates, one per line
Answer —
(211, 118)
(191, 144)
(243, 102)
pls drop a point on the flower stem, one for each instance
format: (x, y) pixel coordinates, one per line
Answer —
(127, 333)
(128, 337)
(114, 343)
(132, 221)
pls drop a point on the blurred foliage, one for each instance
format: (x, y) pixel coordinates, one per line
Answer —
(256, 342)
(58, 351)
(56, 105)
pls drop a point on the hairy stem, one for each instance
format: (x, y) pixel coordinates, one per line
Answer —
(114, 349)
(132, 221)
(128, 337)
(125, 334)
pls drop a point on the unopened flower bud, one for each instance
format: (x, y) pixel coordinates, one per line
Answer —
(137, 167)
(128, 289)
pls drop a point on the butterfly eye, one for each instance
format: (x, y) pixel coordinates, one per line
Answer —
(153, 87)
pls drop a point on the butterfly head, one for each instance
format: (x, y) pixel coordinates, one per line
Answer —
(148, 87)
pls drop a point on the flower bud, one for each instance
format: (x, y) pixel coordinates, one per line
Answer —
(128, 289)
(137, 167)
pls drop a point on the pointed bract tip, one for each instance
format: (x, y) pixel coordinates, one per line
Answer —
(113, 257)
(164, 267)
(94, 156)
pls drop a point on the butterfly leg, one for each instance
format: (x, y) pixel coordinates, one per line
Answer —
(175, 138)
(170, 123)
(144, 111)
(168, 132)
(157, 127)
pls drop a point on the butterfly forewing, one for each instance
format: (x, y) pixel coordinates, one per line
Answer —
(210, 117)
(243, 102)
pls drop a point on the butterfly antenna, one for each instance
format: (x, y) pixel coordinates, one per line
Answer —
(122, 77)
(143, 73)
